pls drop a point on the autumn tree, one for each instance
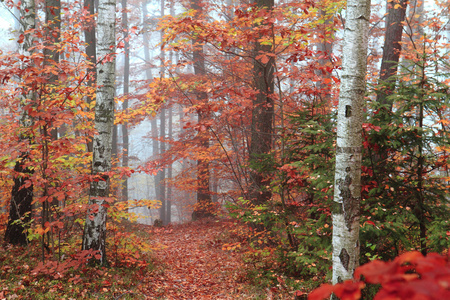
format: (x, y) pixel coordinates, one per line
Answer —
(347, 195)
(22, 191)
(94, 236)
(203, 172)
(52, 40)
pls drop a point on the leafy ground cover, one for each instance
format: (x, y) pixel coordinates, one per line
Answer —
(65, 274)
(194, 262)
(197, 260)
(205, 259)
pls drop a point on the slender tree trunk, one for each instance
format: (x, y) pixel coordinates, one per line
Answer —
(126, 84)
(95, 227)
(155, 152)
(396, 12)
(215, 189)
(262, 114)
(415, 22)
(22, 191)
(347, 191)
(420, 210)
(53, 35)
(160, 177)
(149, 76)
(50, 133)
(162, 173)
(325, 49)
(115, 144)
(148, 70)
(169, 171)
(51, 55)
(202, 208)
(89, 36)
(170, 138)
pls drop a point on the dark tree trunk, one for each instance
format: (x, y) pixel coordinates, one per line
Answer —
(89, 36)
(324, 50)
(22, 191)
(203, 206)
(20, 209)
(114, 147)
(262, 114)
(392, 48)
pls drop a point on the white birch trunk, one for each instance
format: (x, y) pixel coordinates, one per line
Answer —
(95, 228)
(347, 191)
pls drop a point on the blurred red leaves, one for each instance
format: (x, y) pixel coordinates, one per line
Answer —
(409, 276)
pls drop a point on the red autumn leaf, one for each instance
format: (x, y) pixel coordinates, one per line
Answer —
(370, 223)
(408, 257)
(349, 290)
(299, 293)
(375, 271)
(264, 59)
(323, 292)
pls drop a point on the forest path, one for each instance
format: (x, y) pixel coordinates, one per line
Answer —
(192, 265)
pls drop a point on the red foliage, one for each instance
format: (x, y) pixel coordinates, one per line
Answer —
(409, 276)
(57, 269)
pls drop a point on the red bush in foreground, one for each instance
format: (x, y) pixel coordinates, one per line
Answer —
(409, 276)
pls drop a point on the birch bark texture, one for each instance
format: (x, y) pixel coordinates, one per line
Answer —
(95, 228)
(347, 185)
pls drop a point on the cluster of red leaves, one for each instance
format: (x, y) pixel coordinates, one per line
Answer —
(58, 269)
(409, 276)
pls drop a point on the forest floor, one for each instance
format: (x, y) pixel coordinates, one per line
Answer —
(197, 260)
(193, 264)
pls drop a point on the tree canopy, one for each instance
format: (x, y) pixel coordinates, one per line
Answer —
(318, 129)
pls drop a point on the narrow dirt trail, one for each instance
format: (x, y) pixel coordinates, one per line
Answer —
(194, 266)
